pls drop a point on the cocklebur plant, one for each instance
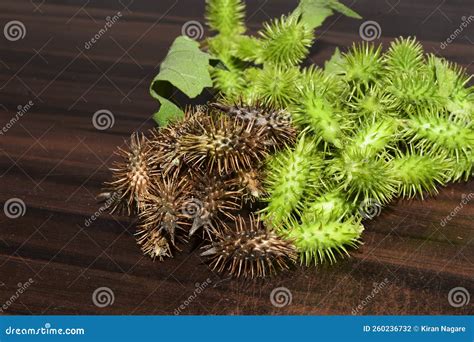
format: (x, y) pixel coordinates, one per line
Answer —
(215, 199)
(362, 176)
(375, 135)
(372, 103)
(386, 125)
(420, 173)
(292, 174)
(321, 118)
(132, 176)
(238, 65)
(250, 250)
(371, 126)
(276, 123)
(281, 43)
(453, 89)
(193, 177)
(320, 239)
(327, 204)
(439, 130)
(362, 66)
(315, 80)
(226, 17)
(285, 41)
(161, 218)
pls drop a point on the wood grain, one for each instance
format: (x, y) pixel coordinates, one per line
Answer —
(55, 161)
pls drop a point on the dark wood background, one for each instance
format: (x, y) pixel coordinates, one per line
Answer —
(55, 161)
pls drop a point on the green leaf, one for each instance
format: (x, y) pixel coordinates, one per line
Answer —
(314, 12)
(185, 68)
(333, 65)
(343, 9)
(168, 112)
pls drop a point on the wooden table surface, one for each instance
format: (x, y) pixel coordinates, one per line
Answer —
(54, 160)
